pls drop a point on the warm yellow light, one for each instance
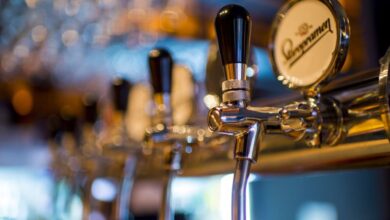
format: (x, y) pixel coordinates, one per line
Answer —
(211, 100)
(31, 3)
(39, 33)
(70, 37)
(22, 101)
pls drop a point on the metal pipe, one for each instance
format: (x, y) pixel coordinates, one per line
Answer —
(240, 182)
(126, 188)
(357, 96)
(351, 108)
(363, 154)
(166, 208)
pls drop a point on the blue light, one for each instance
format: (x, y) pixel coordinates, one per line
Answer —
(263, 62)
(317, 211)
(132, 64)
(104, 189)
(191, 53)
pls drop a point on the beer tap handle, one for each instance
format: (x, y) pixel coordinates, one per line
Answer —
(120, 90)
(71, 130)
(90, 109)
(233, 27)
(160, 64)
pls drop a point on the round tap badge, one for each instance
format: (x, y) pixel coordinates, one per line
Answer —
(309, 42)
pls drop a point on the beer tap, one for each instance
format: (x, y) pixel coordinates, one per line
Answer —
(121, 89)
(89, 133)
(116, 155)
(166, 139)
(161, 63)
(233, 27)
(315, 120)
(88, 151)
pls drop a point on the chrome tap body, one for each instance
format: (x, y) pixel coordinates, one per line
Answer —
(249, 124)
(325, 115)
(233, 27)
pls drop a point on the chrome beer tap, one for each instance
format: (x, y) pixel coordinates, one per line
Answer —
(315, 120)
(160, 64)
(233, 117)
(344, 116)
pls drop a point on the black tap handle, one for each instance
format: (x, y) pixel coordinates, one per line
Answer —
(90, 109)
(69, 121)
(70, 124)
(233, 27)
(53, 127)
(160, 64)
(120, 92)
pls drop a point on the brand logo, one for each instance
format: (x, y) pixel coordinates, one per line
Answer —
(292, 53)
(303, 29)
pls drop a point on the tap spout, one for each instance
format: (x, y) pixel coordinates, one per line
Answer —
(240, 181)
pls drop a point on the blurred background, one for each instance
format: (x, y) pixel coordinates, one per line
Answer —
(53, 53)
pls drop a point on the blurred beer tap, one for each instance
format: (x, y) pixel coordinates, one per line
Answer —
(116, 158)
(89, 131)
(88, 151)
(121, 90)
(53, 125)
(57, 164)
(67, 188)
(161, 64)
(167, 140)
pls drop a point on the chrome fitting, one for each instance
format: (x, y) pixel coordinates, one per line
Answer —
(235, 95)
(235, 71)
(235, 90)
(214, 119)
(247, 143)
(235, 84)
(173, 159)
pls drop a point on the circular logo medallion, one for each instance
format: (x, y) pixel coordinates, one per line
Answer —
(309, 42)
